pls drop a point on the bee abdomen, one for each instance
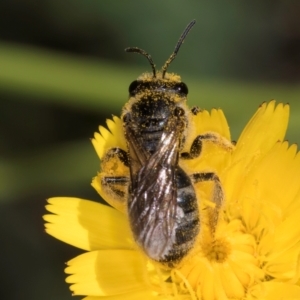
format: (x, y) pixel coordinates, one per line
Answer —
(188, 221)
(188, 224)
(187, 231)
(185, 239)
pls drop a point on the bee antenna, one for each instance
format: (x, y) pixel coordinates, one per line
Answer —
(148, 56)
(178, 45)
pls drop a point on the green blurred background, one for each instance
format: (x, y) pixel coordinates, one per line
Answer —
(63, 71)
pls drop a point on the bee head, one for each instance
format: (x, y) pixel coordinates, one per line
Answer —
(160, 82)
(155, 97)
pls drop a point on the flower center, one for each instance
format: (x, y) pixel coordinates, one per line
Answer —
(216, 250)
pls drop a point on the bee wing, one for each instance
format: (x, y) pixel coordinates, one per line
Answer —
(152, 206)
(138, 156)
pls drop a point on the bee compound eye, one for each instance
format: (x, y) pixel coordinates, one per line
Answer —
(181, 88)
(133, 87)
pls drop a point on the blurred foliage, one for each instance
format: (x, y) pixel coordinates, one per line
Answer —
(63, 71)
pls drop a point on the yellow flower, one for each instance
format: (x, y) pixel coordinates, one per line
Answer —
(254, 252)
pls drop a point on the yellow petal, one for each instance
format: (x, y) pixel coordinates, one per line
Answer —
(267, 127)
(278, 170)
(285, 267)
(87, 225)
(268, 188)
(106, 139)
(107, 272)
(214, 121)
(231, 284)
(138, 295)
(286, 235)
(209, 281)
(98, 142)
(281, 249)
(274, 291)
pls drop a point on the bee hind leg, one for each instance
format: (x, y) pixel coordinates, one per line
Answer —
(217, 196)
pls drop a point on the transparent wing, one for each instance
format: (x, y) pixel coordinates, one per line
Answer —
(152, 206)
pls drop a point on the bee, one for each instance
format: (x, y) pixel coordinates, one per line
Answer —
(161, 201)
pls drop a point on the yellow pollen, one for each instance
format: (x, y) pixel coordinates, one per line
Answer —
(217, 250)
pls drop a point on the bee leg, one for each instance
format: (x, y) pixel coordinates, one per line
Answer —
(196, 147)
(121, 180)
(113, 183)
(120, 153)
(195, 110)
(217, 197)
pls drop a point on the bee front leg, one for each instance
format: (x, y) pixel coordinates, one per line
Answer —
(196, 147)
(121, 154)
(217, 196)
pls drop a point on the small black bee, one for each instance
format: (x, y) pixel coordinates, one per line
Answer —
(161, 200)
